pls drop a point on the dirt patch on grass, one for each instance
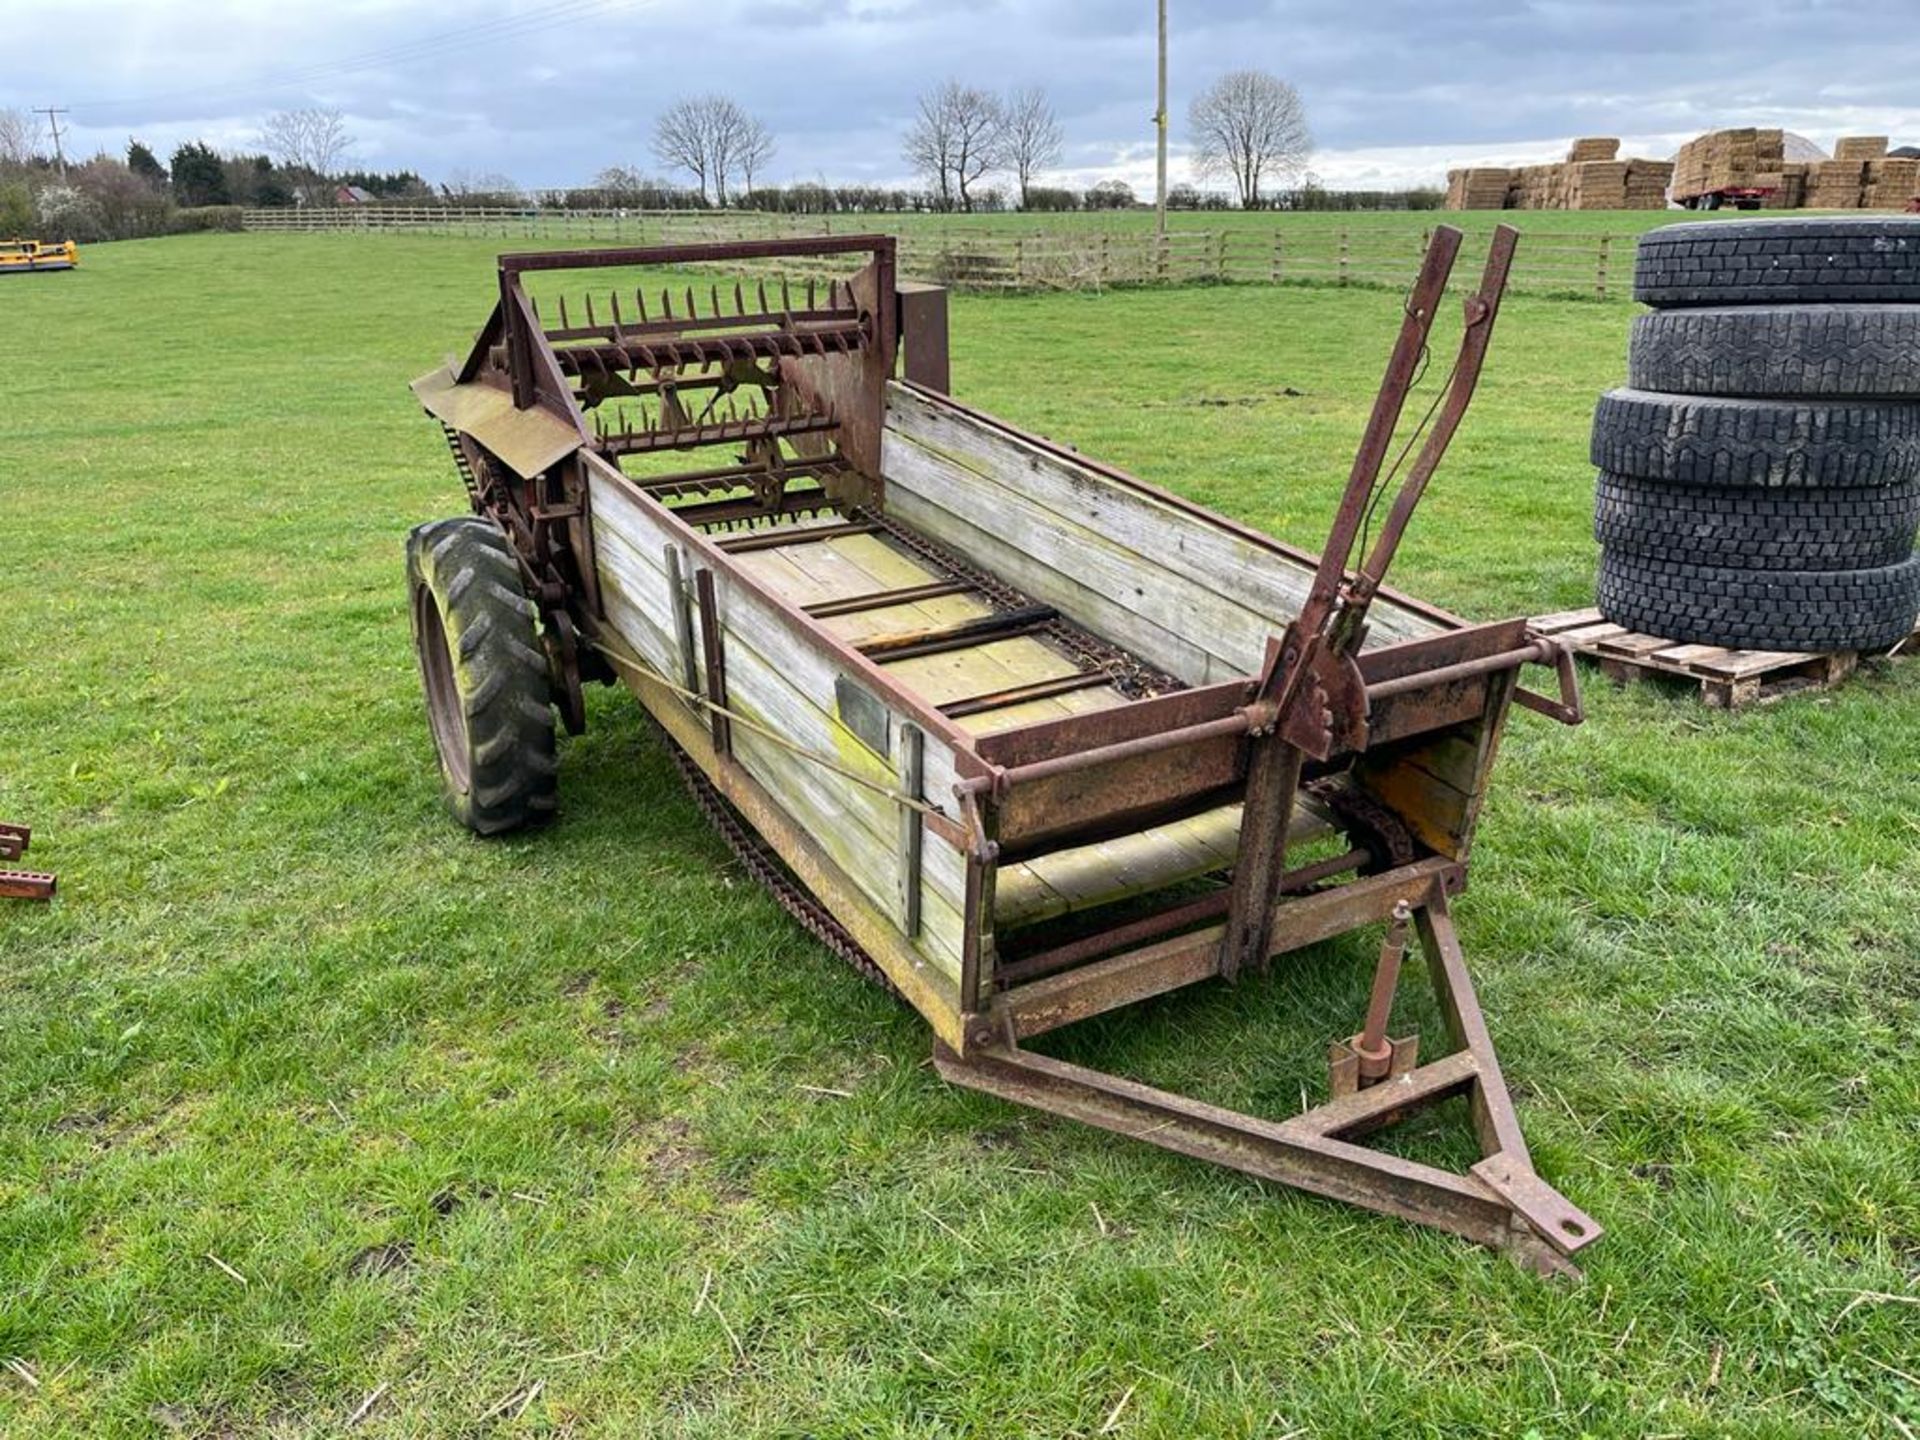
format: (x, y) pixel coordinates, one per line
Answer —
(386, 1259)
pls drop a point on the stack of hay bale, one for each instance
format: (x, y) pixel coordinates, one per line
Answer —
(1792, 194)
(1892, 181)
(1840, 183)
(1478, 188)
(1747, 159)
(1760, 479)
(1590, 178)
(1862, 176)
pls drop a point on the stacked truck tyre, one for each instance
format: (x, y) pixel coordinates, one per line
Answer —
(1759, 480)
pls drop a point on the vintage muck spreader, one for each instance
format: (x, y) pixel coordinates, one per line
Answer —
(1020, 736)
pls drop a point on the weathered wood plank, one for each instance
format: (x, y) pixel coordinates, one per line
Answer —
(908, 500)
(778, 679)
(1684, 656)
(1632, 644)
(1055, 555)
(1564, 620)
(980, 669)
(1591, 634)
(1739, 664)
(929, 989)
(1179, 552)
(1032, 712)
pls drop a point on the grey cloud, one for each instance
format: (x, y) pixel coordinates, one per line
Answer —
(837, 79)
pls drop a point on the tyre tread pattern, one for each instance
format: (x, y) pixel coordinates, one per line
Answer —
(1712, 440)
(502, 672)
(1871, 259)
(1796, 610)
(1853, 351)
(1757, 529)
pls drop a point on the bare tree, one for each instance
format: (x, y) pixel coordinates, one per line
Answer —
(18, 137)
(756, 151)
(621, 180)
(313, 140)
(1249, 125)
(958, 136)
(680, 139)
(712, 139)
(1032, 136)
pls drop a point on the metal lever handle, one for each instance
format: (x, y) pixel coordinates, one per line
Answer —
(1568, 709)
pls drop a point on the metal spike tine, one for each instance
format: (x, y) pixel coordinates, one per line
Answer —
(714, 295)
(591, 322)
(692, 312)
(739, 300)
(762, 285)
(666, 304)
(613, 302)
(640, 300)
(810, 292)
(786, 299)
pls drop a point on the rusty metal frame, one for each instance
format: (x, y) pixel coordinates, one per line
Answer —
(1501, 1202)
(1317, 705)
(22, 884)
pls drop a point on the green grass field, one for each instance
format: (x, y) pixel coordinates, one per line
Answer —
(308, 1098)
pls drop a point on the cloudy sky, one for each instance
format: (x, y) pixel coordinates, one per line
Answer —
(551, 91)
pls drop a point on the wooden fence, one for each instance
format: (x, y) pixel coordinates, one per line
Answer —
(983, 256)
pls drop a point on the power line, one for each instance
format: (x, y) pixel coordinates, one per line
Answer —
(501, 28)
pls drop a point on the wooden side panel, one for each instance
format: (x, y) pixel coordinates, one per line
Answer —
(781, 682)
(1438, 782)
(1120, 793)
(1197, 599)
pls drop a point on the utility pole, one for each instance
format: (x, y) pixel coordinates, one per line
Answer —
(1160, 124)
(53, 124)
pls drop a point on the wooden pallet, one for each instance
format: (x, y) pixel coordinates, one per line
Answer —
(1727, 678)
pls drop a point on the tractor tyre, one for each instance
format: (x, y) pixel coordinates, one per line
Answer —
(1776, 444)
(1848, 351)
(1802, 261)
(485, 673)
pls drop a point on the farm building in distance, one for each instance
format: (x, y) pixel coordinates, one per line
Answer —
(1750, 167)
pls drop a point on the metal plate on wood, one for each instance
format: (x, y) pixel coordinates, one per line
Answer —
(863, 714)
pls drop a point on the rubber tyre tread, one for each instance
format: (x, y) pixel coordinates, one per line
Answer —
(1797, 610)
(1779, 351)
(499, 670)
(1714, 440)
(1757, 529)
(1797, 261)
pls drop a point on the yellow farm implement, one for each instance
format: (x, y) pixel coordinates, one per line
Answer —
(24, 255)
